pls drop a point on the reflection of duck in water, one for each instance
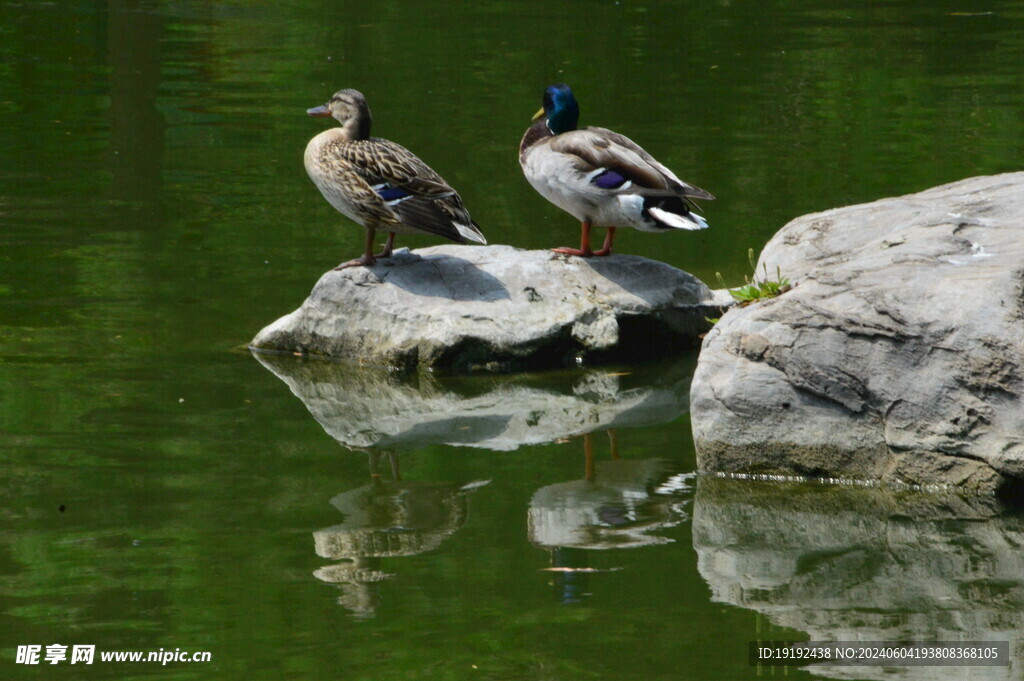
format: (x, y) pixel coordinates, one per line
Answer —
(386, 519)
(617, 505)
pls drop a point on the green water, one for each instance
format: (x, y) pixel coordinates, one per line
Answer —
(164, 490)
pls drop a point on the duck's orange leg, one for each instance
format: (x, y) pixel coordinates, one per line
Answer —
(584, 249)
(388, 245)
(606, 249)
(368, 258)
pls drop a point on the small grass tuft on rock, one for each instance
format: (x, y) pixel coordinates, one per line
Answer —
(755, 289)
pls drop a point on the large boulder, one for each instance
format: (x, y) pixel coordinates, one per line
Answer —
(495, 307)
(896, 356)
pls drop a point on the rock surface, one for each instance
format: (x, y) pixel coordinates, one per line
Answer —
(495, 307)
(896, 356)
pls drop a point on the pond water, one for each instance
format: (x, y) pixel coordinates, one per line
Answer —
(165, 490)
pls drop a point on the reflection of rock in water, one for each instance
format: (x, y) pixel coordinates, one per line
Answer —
(866, 564)
(616, 505)
(386, 519)
(363, 407)
(377, 410)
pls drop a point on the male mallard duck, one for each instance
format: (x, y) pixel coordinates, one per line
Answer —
(601, 177)
(380, 184)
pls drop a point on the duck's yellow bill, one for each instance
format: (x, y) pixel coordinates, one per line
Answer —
(537, 116)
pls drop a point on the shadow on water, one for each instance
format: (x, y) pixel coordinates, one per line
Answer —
(137, 127)
(866, 565)
(615, 504)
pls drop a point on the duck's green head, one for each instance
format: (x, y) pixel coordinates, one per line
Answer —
(560, 108)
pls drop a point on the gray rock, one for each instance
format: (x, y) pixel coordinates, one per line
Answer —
(896, 356)
(495, 307)
(858, 564)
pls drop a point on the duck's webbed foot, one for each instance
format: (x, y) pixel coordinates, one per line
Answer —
(565, 250)
(584, 250)
(365, 261)
(369, 259)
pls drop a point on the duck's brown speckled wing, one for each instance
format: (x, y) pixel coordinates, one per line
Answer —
(382, 161)
(444, 216)
(432, 205)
